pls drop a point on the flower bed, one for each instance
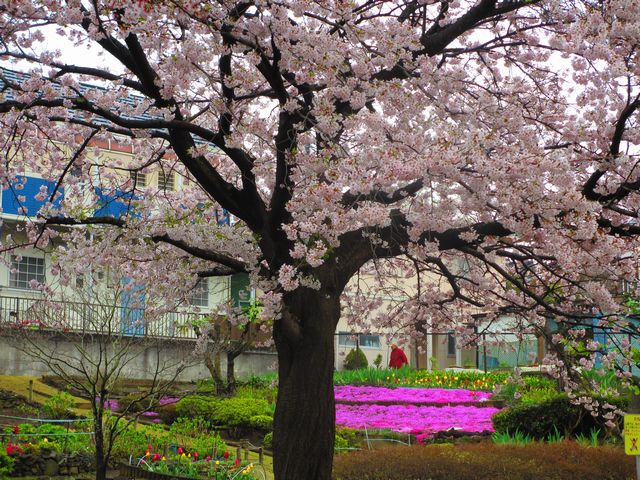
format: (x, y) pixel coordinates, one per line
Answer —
(379, 395)
(418, 411)
(417, 420)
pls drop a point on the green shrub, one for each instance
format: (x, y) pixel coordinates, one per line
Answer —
(196, 406)
(356, 359)
(262, 422)
(6, 465)
(558, 461)
(237, 412)
(267, 441)
(378, 361)
(535, 388)
(541, 420)
(230, 412)
(341, 445)
(167, 413)
(58, 406)
(190, 427)
(195, 435)
(350, 436)
(130, 442)
(206, 443)
(345, 440)
(59, 439)
(535, 397)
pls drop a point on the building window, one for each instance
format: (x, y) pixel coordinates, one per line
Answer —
(139, 179)
(347, 339)
(372, 341)
(166, 181)
(200, 293)
(451, 344)
(628, 288)
(24, 270)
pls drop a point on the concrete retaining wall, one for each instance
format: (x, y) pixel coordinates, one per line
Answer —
(144, 356)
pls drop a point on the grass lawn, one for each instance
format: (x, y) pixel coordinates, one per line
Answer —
(41, 391)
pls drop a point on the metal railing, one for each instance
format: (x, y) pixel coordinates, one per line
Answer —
(76, 317)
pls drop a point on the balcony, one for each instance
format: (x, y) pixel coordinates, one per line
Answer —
(83, 318)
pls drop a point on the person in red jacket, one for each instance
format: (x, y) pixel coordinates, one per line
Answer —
(398, 358)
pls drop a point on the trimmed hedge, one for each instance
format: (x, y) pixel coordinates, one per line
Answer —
(196, 406)
(262, 422)
(540, 420)
(356, 359)
(486, 461)
(229, 412)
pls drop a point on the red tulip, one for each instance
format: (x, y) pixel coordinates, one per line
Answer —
(225, 454)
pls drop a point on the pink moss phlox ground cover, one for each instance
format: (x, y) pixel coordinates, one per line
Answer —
(407, 395)
(417, 420)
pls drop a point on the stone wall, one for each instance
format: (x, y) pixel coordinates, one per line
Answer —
(49, 464)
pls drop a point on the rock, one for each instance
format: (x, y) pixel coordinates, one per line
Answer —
(50, 467)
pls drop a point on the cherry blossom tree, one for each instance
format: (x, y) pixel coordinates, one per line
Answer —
(231, 334)
(486, 149)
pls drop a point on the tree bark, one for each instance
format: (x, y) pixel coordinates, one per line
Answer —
(231, 372)
(304, 422)
(101, 461)
(212, 362)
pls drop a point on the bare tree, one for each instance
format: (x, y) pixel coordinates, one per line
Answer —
(91, 336)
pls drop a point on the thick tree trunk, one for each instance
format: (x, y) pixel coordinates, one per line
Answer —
(212, 362)
(304, 423)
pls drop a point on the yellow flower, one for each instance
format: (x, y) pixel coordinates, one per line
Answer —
(189, 455)
(46, 440)
(183, 455)
(217, 462)
(164, 458)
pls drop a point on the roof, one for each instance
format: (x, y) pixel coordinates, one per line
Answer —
(130, 100)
